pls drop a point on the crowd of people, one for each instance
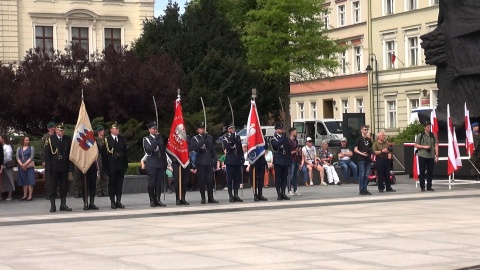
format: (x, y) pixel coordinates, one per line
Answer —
(283, 158)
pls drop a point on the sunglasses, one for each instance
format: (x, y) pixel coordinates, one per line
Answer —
(365, 129)
(343, 141)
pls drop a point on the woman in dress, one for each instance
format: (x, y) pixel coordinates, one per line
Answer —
(26, 174)
(8, 183)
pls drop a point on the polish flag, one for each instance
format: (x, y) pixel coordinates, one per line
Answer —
(454, 161)
(416, 168)
(469, 135)
(255, 140)
(434, 122)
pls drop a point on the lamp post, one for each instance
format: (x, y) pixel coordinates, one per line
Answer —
(373, 60)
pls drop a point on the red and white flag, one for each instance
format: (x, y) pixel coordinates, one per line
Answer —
(469, 135)
(416, 168)
(177, 145)
(454, 161)
(434, 122)
(255, 140)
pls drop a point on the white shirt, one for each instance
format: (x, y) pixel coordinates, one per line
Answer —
(310, 153)
(7, 152)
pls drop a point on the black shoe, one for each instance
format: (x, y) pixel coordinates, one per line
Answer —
(92, 206)
(285, 197)
(279, 197)
(331, 183)
(53, 209)
(152, 203)
(237, 199)
(120, 205)
(113, 205)
(212, 200)
(367, 192)
(185, 202)
(422, 189)
(255, 198)
(203, 201)
(339, 183)
(64, 207)
(261, 198)
(178, 202)
(391, 190)
(362, 192)
(231, 199)
(85, 207)
(380, 190)
(159, 203)
(430, 189)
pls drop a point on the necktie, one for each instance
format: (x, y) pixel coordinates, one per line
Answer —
(116, 139)
(60, 139)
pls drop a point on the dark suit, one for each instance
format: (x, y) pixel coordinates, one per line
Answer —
(115, 163)
(259, 166)
(156, 164)
(281, 161)
(205, 160)
(57, 162)
(234, 160)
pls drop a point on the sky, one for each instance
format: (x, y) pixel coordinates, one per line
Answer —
(161, 4)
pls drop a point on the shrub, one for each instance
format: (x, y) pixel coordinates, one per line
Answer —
(132, 168)
(407, 134)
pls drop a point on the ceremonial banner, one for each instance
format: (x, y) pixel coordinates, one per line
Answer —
(177, 145)
(469, 135)
(255, 140)
(434, 122)
(84, 149)
(454, 161)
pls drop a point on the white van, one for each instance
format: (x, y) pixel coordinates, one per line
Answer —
(267, 131)
(414, 115)
(319, 130)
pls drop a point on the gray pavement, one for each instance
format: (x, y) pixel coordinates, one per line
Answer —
(327, 228)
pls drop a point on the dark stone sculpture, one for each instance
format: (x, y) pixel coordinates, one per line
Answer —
(454, 47)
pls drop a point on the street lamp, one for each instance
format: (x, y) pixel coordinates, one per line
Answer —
(369, 69)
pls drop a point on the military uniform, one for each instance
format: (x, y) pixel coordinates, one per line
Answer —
(156, 164)
(88, 186)
(260, 166)
(48, 175)
(281, 161)
(77, 183)
(102, 178)
(57, 162)
(115, 163)
(206, 159)
(234, 160)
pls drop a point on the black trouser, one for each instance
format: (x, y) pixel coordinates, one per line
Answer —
(281, 176)
(205, 175)
(59, 179)
(383, 173)
(425, 164)
(115, 183)
(155, 176)
(234, 176)
(259, 177)
(185, 176)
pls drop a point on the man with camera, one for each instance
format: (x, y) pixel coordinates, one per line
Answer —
(427, 145)
(382, 149)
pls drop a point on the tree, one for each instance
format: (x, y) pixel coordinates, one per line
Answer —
(8, 86)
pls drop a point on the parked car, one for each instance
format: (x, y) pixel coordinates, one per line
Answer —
(322, 129)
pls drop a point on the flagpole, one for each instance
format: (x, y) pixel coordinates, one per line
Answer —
(254, 176)
(180, 166)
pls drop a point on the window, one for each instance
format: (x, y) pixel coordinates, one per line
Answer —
(301, 114)
(313, 107)
(343, 62)
(390, 54)
(44, 38)
(326, 20)
(345, 105)
(358, 58)
(414, 103)
(434, 2)
(413, 51)
(388, 7)
(392, 114)
(356, 12)
(80, 37)
(113, 36)
(360, 107)
(411, 4)
(341, 15)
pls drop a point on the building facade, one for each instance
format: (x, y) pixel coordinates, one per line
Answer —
(347, 90)
(398, 79)
(55, 24)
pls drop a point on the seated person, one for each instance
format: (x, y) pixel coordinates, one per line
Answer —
(326, 160)
(311, 162)
(345, 161)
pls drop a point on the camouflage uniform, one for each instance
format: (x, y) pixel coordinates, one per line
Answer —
(102, 178)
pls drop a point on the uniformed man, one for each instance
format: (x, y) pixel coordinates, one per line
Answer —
(48, 174)
(156, 163)
(115, 163)
(475, 159)
(234, 160)
(102, 178)
(77, 183)
(57, 161)
(281, 160)
(88, 186)
(206, 159)
(260, 166)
